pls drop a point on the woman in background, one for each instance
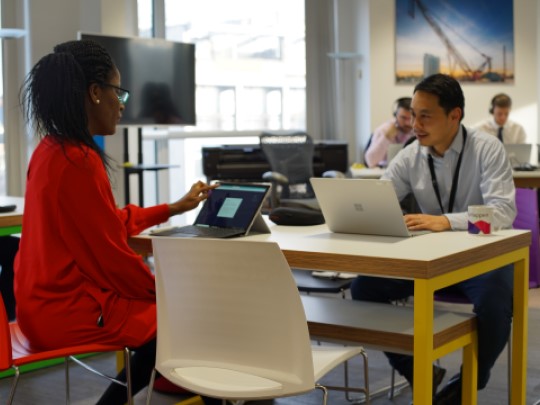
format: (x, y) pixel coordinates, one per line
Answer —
(76, 279)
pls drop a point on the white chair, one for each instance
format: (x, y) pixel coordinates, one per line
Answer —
(231, 325)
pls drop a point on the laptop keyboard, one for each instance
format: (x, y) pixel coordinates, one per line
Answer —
(199, 231)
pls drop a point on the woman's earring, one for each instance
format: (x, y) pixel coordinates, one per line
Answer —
(97, 101)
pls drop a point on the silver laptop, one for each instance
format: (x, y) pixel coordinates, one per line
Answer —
(518, 153)
(232, 209)
(392, 151)
(361, 206)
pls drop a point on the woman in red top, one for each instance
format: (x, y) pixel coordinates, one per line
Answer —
(76, 279)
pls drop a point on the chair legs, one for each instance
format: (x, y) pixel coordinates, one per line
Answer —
(395, 388)
(324, 391)
(347, 388)
(66, 376)
(127, 384)
(13, 385)
(127, 362)
(151, 386)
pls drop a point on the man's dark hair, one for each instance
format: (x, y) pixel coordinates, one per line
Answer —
(446, 88)
(54, 92)
(402, 102)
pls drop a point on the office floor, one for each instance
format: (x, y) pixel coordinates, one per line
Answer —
(47, 386)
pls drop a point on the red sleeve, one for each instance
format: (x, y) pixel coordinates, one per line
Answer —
(96, 231)
(137, 219)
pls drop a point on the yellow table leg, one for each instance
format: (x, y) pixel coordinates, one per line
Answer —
(469, 381)
(423, 343)
(519, 337)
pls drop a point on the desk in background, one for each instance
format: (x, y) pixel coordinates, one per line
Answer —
(522, 179)
(433, 261)
(11, 222)
(527, 179)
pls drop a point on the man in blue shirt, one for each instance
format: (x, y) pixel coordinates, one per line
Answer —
(447, 169)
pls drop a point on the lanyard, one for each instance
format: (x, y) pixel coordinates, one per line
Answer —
(454, 179)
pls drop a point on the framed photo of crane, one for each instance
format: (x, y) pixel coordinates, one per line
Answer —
(473, 41)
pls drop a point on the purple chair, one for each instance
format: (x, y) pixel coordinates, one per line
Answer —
(527, 218)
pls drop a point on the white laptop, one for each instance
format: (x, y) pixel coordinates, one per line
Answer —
(361, 206)
(518, 153)
(392, 151)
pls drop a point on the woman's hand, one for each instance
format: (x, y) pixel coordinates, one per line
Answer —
(198, 192)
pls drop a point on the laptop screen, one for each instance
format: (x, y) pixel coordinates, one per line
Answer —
(232, 206)
(518, 153)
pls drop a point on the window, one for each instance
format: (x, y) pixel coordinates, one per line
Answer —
(145, 17)
(250, 57)
(250, 74)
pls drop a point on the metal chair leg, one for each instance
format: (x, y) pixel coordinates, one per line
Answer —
(127, 361)
(127, 365)
(14, 385)
(324, 391)
(151, 386)
(66, 372)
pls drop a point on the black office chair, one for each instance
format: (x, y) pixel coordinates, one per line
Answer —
(290, 157)
(307, 283)
(291, 161)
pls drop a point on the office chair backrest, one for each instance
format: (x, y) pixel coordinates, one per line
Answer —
(292, 156)
(5, 339)
(233, 305)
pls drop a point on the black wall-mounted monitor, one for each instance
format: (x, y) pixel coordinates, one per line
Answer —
(160, 76)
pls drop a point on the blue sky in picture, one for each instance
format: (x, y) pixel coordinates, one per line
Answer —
(477, 29)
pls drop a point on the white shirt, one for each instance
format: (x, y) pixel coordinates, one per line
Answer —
(512, 131)
(485, 177)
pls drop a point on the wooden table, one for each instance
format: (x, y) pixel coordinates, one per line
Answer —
(433, 261)
(11, 222)
(527, 179)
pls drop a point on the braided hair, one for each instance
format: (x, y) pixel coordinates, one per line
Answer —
(53, 95)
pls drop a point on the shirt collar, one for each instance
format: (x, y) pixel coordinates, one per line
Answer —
(495, 125)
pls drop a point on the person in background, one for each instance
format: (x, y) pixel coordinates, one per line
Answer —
(75, 269)
(396, 130)
(506, 130)
(447, 169)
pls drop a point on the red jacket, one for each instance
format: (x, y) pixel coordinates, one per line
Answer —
(74, 263)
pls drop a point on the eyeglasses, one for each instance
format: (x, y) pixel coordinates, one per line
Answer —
(122, 94)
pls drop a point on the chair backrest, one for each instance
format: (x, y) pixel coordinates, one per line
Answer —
(6, 356)
(231, 304)
(527, 218)
(291, 155)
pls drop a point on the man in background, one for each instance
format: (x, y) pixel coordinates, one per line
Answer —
(499, 125)
(396, 130)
